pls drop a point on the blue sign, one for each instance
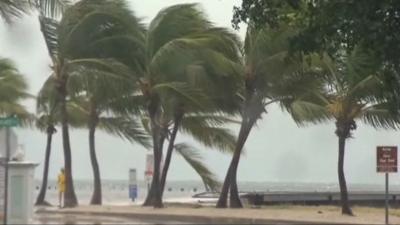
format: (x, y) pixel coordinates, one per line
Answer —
(133, 191)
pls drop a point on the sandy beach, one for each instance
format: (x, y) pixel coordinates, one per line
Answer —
(276, 214)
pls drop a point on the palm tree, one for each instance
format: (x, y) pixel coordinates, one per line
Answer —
(46, 121)
(181, 46)
(73, 44)
(90, 33)
(48, 116)
(354, 91)
(97, 93)
(12, 90)
(46, 103)
(271, 75)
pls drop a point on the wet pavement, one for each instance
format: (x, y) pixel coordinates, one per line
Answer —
(95, 220)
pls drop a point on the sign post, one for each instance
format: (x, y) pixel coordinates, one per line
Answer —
(148, 173)
(133, 187)
(386, 163)
(7, 122)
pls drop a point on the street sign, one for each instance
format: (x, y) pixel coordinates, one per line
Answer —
(386, 159)
(9, 122)
(386, 162)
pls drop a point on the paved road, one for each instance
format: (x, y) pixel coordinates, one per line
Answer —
(95, 220)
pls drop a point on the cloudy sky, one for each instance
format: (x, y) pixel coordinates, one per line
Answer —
(277, 149)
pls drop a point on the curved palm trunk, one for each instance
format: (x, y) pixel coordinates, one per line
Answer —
(97, 195)
(169, 153)
(154, 195)
(342, 180)
(42, 193)
(70, 199)
(230, 183)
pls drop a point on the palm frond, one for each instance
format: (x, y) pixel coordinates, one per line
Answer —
(380, 116)
(184, 91)
(52, 8)
(210, 136)
(125, 128)
(12, 9)
(49, 30)
(195, 160)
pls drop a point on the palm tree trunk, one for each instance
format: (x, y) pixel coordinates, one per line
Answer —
(97, 195)
(170, 149)
(70, 199)
(154, 196)
(230, 183)
(42, 193)
(223, 197)
(342, 180)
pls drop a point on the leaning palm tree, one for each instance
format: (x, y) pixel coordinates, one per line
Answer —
(48, 117)
(354, 91)
(46, 121)
(271, 75)
(46, 101)
(183, 48)
(73, 43)
(97, 93)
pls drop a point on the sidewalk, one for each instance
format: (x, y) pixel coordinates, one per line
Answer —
(285, 214)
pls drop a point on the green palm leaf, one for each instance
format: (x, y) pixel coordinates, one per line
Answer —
(125, 128)
(195, 160)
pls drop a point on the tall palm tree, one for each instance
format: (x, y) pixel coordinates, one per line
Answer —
(271, 75)
(46, 121)
(73, 44)
(48, 117)
(354, 91)
(46, 102)
(89, 34)
(101, 83)
(97, 92)
(182, 48)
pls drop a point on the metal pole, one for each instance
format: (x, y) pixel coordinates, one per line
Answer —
(6, 173)
(387, 199)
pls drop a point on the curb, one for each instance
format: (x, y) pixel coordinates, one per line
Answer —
(182, 218)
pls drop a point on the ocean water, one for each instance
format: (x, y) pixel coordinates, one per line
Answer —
(116, 192)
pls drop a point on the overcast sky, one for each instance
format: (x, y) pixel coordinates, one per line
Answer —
(277, 150)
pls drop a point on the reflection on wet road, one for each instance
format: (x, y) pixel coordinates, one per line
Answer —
(95, 220)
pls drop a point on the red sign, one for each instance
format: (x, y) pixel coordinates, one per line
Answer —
(386, 159)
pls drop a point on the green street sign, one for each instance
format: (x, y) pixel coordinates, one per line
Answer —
(9, 122)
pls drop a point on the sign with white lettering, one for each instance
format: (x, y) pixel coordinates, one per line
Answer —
(386, 159)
